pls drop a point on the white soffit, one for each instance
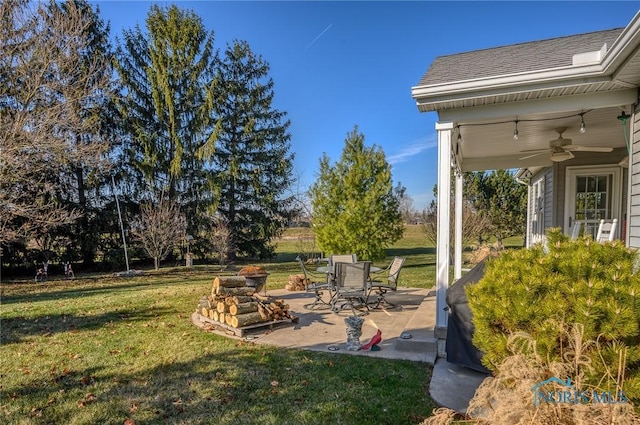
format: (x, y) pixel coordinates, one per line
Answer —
(541, 106)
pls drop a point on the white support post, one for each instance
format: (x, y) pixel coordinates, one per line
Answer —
(527, 226)
(457, 249)
(444, 214)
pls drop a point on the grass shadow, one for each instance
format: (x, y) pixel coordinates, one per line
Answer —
(16, 329)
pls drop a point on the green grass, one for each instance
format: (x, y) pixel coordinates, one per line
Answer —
(106, 349)
(418, 270)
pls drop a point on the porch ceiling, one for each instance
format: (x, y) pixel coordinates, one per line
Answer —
(489, 144)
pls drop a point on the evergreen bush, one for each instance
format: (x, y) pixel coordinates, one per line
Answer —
(540, 290)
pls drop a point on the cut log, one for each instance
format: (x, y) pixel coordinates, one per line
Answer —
(230, 292)
(297, 282)
(204, 311)
(222, 317)
(228, 319)
(221, 307)
(243, 308)
(215, 315)
(246, 319)
(240, 299)
(229, 281)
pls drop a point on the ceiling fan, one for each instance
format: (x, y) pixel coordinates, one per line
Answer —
(561, 149)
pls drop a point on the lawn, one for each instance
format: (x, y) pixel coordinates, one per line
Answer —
(114, 350)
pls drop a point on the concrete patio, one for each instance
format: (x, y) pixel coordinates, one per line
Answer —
(407, 334)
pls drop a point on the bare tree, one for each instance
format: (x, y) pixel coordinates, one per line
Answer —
(48, 87)
(221, 237)
(474, 224)
(159, 229)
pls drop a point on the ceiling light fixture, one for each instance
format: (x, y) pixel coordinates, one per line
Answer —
(583, 127)
(515, 132)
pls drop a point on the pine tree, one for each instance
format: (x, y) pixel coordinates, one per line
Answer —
(501, 199)
(355, 209)
(253, 162)
(166, 105)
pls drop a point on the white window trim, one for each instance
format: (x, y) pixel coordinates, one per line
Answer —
(616, 189)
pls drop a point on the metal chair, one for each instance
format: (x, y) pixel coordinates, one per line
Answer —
(351, 286)
(342, 258)
(606, 230)
(381, 287)
(333, 260)
(318, 285)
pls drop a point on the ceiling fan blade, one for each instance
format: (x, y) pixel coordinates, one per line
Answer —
(578, 148)
(535, 150)
(534, 154)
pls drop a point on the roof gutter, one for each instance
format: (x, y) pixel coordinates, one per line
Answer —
(626, 42)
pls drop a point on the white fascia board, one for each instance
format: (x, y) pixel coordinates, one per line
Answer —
(624, 45)
(498, 84)
(558, 104)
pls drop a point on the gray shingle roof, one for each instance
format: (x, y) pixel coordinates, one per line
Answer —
(515, 58)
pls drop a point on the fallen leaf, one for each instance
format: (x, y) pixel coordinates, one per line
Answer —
(129, 422)
(132, 409)
(88, 399)
(274, 383)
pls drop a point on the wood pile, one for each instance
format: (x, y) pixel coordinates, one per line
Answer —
(297, 282)
(234, 304)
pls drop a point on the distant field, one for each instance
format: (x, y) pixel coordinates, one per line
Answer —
(418, 271)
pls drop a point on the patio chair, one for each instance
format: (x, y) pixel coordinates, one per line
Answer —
(342, 258)
(316, 283)
(381, 287)
(351, 286)
(606, 230)
(338, 258)
(575, 231)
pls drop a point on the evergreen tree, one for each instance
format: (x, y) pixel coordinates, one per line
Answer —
(253, 163)
(166, 107)
(355, 209)
(501, 199)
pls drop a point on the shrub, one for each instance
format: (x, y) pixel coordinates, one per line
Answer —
(540, 290)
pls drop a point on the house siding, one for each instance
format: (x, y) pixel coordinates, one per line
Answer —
(634, 169)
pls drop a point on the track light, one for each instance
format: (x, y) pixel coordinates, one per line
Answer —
(583, 127)
(459, 136)
(515, 132)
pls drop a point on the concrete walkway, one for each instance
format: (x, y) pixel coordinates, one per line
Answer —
(407, 334)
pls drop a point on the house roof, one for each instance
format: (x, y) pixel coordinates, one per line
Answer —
(598, 62)
(516, 58)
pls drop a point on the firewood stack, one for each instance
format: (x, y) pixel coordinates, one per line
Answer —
(234, 304)
(297, 282)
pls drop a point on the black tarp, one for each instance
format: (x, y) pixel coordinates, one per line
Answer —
(459, 347)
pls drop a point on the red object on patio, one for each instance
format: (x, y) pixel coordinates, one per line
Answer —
(376, 339)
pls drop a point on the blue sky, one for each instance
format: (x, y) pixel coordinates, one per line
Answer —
(340, 64)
